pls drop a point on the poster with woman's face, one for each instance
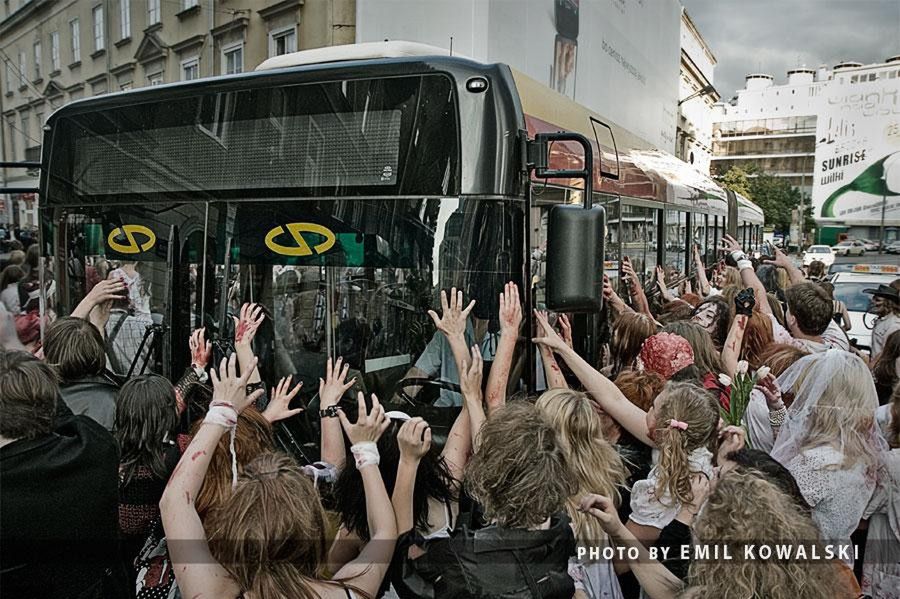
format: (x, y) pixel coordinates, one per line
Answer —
(565, 49)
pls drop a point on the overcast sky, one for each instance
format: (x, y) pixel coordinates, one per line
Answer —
(772, 36)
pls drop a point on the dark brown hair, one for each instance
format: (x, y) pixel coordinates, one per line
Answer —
(28, 396)
(11, 274)
(630, 330)
(75, 348)
(884, 369)
(811, 306)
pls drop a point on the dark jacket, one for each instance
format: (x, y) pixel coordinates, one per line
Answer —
(58, 514)
(500, 562)
(94, 397)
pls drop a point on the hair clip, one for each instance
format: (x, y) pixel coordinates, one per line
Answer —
(678, 424)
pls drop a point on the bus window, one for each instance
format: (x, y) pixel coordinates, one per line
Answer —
(676, 223)
(711, 241)
(638, 239)
(614, 230)
(356, 278)
(698, 223)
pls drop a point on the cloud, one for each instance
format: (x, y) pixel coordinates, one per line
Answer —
(772, 36)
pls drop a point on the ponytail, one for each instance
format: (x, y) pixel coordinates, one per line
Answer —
(674, 467)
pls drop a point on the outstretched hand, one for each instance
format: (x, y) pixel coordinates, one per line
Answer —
(780, 259)
(369, 425)
(452, 321)
(333, 387)
(548, 337)
(279, 407)
(604, 510)
(744, 302)
(230, 388)
(471, 376)
(414, 439)
(510, 310)
(245, 327)
(201, 349)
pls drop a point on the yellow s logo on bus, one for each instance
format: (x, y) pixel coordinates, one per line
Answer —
(131, 245)
(300, 246)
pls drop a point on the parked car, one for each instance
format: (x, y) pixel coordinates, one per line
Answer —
(818, 253)
(893, 247)
(850, 248)
(871, 246)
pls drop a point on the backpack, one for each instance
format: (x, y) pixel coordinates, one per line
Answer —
(496, 562)
(155, 577)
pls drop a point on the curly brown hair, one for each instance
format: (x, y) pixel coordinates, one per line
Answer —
(758, 336)
(732, 517)
(520, 474)
(630, 330)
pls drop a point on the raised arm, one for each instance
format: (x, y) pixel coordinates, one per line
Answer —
(510, 321)
(794, 273)
(367, 571)
(196, 571)
(470, 376)
(452, 322)
(635, 288)
(552, 373)
(245, 328)
(612, 298)
(702, 281)
(661, 284)
(655, 580)
(748, 275)
(201, 351)
(96, 304)
(414, 439)
(731, 352)
(603, 390)
(331, 390)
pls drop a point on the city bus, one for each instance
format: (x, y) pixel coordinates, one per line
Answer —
(341, 189)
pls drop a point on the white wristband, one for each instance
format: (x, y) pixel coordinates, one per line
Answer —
(223, 414)
(366, 454)
(742, 264)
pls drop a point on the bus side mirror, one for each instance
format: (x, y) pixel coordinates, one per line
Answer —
(575, 239)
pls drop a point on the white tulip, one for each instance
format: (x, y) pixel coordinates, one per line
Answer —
(725, 380)
(762, 373)
(742, 367)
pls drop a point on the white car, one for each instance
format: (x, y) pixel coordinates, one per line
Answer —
(848, 288)
(818, 253)
(850, 248)
(871, 246)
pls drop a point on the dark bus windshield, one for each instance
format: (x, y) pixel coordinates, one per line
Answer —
(369, 137)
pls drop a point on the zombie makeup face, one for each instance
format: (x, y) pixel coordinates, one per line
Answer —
(706, 316)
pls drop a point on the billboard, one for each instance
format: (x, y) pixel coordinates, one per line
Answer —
(857, 169)
(620, 58)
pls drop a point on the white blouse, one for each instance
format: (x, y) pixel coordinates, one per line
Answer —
(649, 510)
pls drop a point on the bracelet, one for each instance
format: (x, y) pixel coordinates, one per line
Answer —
(366, 454)
(777, 417)
(253, 387)
(738, 255)
(329, 412)
(200, 373)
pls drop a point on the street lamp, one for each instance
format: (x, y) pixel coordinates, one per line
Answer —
(703, 91)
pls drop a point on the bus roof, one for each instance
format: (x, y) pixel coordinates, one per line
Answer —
(349, 52)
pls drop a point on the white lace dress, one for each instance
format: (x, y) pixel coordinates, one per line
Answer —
(838, 495)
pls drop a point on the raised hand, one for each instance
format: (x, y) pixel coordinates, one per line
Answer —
(769, 387)
(731, 438)
(245, 327)
(604, 510)
(452, 321)
(414, 439)
(730, 244)
(369, 425)
(230, 388)
(628, 271)
(107, 290)
(780, 259)
(471, 376)
(549, 338)
(333, 387)
(279, 406)
(565, 329)
(201, 349)
(510, 310)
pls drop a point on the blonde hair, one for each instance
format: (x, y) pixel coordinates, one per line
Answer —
(732, 277)
(731, 517)
(520, 474)
(270, 534)
(595, 463)
(696, 407)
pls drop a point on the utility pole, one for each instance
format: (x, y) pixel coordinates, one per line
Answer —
(883, 207)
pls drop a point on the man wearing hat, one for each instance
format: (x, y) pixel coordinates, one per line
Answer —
(885, 304)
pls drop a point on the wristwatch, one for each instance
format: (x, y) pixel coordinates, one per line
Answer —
(329, 412)
(200, 373)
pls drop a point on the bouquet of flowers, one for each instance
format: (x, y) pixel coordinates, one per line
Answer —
(741, 387)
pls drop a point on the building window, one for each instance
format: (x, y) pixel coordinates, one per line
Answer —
(125, 18)
(37, 60)
(74, 29)
(190, 69)
(155, 79)
(152, 12)
(283, 41)
(22, 81)
(125, 86)
(233, 59)
(26, 127)
(99, 42)
(12, 138)
(9, 77)
(54, 50)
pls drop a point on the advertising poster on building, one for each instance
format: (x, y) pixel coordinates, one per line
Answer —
(857, 172)
(620, 58)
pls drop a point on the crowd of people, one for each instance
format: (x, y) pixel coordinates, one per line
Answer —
(621, 479)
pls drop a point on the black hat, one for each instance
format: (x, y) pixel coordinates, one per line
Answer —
(885, 291)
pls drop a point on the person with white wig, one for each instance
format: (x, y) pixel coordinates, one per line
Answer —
(829, 440)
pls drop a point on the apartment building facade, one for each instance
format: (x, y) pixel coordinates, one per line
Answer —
(58, 51)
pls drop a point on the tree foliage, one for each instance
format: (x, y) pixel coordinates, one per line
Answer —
(774, 195)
